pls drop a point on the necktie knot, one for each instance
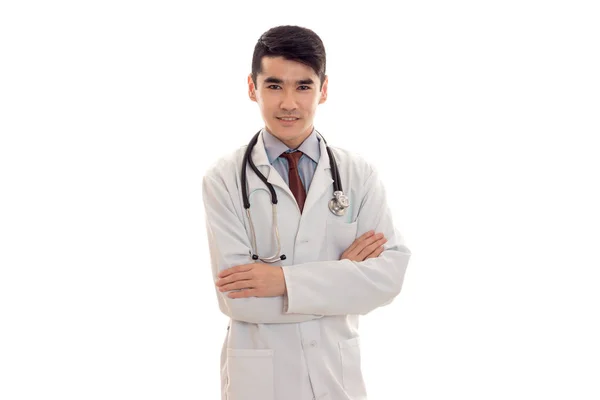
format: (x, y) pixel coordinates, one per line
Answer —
(292, 158)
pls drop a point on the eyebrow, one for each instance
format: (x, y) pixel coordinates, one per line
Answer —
(272, 79)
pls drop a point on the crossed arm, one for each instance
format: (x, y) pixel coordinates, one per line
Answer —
(262, 280)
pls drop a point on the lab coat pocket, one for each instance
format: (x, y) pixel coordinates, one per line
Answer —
(250, 374)
(340, 236)
(351, 367)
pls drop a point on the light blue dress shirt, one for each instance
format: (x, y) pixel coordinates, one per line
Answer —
(307, 164)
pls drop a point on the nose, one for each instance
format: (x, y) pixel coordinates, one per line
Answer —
(288, 102)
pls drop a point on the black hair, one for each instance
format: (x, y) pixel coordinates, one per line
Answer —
(293, 43)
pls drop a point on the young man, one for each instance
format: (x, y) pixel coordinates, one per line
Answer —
(294, 274)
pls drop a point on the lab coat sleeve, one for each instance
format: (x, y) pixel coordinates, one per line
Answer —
(229, 246)
(348, 287)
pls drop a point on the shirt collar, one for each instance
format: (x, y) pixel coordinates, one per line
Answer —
(274, 147)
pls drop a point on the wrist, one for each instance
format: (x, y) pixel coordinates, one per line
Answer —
(283, 281)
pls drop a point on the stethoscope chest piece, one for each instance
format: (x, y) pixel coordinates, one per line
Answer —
(339, 203)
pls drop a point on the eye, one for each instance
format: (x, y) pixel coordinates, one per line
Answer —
(304, 87)
(274, 87)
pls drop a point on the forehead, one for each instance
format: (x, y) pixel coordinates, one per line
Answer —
(286, 70)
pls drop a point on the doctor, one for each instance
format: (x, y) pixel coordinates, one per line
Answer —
(291, 274)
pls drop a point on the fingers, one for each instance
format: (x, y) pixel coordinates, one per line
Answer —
(367, 250)
(244, 284)
(359, 239)
(376, 253)
(234, 270)
(365, 240)
(239, 276)
(364, 246)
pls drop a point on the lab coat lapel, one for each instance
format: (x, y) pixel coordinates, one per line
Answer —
(259, 156)
(321, 180)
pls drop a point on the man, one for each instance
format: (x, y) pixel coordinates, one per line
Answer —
(293, 332)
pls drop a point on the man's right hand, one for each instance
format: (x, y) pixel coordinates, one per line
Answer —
(369, 245)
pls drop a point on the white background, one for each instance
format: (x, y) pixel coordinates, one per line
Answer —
(482, 117)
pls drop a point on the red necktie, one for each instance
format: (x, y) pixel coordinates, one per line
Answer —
(295, 183)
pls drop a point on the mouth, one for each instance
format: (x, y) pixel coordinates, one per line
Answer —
(287, 121)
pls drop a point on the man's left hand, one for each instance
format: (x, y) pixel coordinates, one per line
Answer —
(254, 280)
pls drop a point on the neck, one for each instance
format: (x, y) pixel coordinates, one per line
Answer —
(295, 142)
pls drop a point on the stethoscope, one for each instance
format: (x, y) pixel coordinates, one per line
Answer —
(338, 204)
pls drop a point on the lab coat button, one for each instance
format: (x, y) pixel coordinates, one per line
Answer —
(313, 343)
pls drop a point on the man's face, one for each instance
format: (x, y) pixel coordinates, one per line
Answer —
(287, 93)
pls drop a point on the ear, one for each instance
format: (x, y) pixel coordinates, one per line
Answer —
(251, 88)
(324, 90)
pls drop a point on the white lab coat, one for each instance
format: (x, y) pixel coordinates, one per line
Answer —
(304, 345)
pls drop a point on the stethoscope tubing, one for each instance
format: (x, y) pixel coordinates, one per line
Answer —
(337, 182)
(333, 204)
